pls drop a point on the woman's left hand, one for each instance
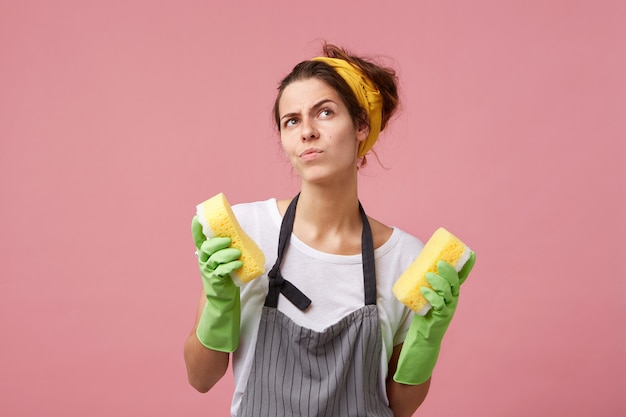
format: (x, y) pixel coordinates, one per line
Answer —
(423, 341)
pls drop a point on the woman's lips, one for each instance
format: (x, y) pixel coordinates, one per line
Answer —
(309, 154)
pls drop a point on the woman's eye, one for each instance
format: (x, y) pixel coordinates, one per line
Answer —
(326, 113)
(290, 122)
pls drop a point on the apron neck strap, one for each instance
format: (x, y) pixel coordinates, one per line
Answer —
(278, 285)
(368, 260)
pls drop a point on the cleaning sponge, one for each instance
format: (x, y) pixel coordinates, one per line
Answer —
(217, 219)
(442, 246)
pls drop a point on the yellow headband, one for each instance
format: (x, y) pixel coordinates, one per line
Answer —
(366, 93)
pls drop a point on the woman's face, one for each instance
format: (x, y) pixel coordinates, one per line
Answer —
(317, 132)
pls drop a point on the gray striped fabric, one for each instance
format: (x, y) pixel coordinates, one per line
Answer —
(301, 372)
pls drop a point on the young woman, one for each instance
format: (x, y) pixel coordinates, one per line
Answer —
(321, 334)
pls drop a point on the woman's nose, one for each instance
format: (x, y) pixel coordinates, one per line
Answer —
(309, 132)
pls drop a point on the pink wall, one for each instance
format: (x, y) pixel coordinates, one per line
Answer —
(117, 117)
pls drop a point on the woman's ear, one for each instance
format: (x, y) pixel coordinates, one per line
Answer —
(362, 132)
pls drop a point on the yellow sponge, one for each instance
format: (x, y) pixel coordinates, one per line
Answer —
(442, 246)
(217, 219)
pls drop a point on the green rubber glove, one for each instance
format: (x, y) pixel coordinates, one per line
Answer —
(423, 341)
(218, 328)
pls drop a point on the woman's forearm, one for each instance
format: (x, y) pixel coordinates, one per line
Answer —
(404, 399)
(205, 367)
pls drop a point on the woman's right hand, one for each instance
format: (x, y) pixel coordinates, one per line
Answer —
(218, 327)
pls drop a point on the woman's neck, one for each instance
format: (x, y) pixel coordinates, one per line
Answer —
(329, 219)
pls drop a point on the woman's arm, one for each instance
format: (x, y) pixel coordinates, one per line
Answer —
(205, 367)
(403, 399)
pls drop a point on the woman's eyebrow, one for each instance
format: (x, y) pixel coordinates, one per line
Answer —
(289, 115)
(321, 103)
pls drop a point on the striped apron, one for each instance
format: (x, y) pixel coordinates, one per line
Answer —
(301, 372)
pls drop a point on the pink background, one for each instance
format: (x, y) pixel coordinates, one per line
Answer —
(117, 117)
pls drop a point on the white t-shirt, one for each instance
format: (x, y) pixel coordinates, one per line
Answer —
(334, 283)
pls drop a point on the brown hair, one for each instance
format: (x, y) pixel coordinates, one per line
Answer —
(384, 78)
